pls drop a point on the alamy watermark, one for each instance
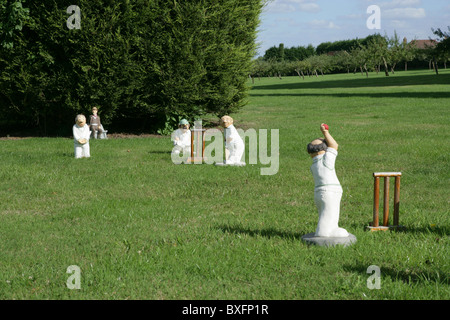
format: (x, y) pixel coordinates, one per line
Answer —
(74, 21)
(374, 281)
(374, 21)
(258, 148)
(74, 281)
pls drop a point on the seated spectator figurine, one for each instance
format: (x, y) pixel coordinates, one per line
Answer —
(234, 145)
(181, 138)
(327, 190)
(81, 135)
(95, 124)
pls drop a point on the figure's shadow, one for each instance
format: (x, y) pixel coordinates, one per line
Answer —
(160, 152)
(442, 231)
(267, 232)
(413, 275)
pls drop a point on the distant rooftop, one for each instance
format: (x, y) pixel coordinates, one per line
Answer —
(423, 44)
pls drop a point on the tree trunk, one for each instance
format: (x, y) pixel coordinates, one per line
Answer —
(436, 66)
(406, 65)
(386, 69)
(300, 75)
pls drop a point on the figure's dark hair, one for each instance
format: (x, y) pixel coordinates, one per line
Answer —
(313, 148)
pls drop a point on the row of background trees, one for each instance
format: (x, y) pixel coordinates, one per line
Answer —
(373, 53)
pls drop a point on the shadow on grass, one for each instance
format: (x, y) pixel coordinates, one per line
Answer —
(266, 233)
(413, 80)
(413, 275)
(67, 154)
(437, 231)
(420, 95)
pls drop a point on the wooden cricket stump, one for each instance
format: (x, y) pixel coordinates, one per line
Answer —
(375, 226)
(197, 146)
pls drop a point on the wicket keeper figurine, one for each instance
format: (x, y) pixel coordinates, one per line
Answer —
(95, 124)
(328, 190)
(181, 138)
(234, 145)
(81, 135)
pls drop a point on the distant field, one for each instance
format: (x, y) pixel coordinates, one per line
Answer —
(140, 227)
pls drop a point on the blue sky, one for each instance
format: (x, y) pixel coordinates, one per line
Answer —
(303, 22)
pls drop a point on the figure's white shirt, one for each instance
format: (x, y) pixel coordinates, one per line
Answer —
(232, 136)
(81, 132)
(184, 138)
(323, 170)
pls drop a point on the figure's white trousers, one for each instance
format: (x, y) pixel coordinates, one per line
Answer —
(236, 151)
(82, 150)
(185, 149)
(328, 204)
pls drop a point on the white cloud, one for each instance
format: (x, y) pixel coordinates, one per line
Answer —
(277, 6)
(309, 7)
(402, 13)
(274, 7)
(399, 24)
(401, 9)
(322, 24)
(353, 16)
(400, 3)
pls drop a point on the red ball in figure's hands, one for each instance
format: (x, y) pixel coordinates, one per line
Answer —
(326, 126)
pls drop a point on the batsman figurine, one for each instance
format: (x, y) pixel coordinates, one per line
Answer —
(327, 190)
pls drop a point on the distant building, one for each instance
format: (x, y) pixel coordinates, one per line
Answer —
(422, 44)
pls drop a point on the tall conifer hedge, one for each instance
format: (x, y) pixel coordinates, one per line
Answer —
(139, 61)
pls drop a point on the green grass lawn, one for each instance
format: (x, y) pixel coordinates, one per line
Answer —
(140, 227)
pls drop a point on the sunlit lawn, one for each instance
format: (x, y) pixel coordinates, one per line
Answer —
(140, 227)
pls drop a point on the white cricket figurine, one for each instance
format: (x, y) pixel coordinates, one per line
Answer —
(81, 135)
(327, 190)
(181, 138)
(234, 145)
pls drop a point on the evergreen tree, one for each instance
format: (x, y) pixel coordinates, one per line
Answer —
(143, 60)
